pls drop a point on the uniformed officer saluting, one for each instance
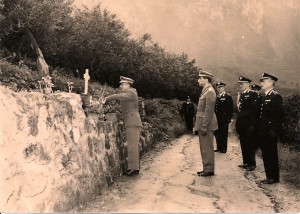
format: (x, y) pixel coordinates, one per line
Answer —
(224, 111)
(246, 121)
(206, 123)
(132, 122)
(270, 120)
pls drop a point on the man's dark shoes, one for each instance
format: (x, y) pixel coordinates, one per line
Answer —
(216, 150)
(207, 174)
(132, 172)
(198, 173)
(243, 165)
(222, 151)
(249, 168)
(270, 181)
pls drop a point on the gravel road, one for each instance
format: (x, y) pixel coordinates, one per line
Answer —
(168, 183)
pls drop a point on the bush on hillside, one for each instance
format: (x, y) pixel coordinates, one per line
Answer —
(165, 119)
(291, 123)
(96, 39)
(18, 78)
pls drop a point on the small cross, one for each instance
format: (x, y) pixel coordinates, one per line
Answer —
(86, 81)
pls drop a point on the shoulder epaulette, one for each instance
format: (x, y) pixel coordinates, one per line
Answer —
(275, 92)
(210, 89)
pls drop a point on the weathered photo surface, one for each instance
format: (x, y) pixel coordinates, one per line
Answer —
(186, 106)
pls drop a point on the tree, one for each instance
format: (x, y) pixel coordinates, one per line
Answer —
(25, 18)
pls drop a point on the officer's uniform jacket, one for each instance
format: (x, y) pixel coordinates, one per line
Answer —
(224, 108)
(271, 112)
(248, 111)
(188, 109)
(206, 116)
(129, 107)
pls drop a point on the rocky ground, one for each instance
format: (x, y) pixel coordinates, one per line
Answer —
(168, 183)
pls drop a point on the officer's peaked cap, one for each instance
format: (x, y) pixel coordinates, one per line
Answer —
(126, 79)
(220, 84)
(255, 87)
(266, 76)
(244, 79)
(205, 74)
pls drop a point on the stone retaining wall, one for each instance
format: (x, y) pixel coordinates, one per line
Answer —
(52, 157)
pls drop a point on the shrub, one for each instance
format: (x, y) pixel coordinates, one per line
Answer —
(19, 77)
(291, 122)
(165, 119)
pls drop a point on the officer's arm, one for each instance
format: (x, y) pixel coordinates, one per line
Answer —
(209, 109)
(122, 96)
(276, 115)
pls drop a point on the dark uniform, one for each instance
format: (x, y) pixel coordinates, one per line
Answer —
(224, 111)
(270, 120)
(257, 89)
(188, 112)
(246, 124)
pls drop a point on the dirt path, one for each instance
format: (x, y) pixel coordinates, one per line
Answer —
(168, 183)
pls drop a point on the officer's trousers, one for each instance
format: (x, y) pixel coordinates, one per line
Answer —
(207, 151)
(221, 137)
(248, 148)
(270, 157)
(133, 137)
(189, 119)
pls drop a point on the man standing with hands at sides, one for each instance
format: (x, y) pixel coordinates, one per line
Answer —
(224, 111)
(132, 122)
(188, 112)
(246, 122)
(270, 120)
(257, 89)
(206, 123)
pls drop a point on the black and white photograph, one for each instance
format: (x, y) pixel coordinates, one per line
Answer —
(149, 106)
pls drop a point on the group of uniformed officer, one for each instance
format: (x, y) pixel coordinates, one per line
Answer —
(258, 122)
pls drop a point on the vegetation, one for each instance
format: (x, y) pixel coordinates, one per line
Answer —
(291, 123)
(165, 118)
(95, 39)
(73, 40)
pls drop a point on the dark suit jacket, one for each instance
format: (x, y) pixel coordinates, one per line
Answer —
(187, 109)
(271, 113)
(248, 111)
(224, 109)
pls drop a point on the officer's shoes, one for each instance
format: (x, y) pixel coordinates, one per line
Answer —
(249, 168)
(243, 165)
(132, 172)
(198, 173)
(217, 150)
(222, 151)
(270, 181)
(207, 174)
